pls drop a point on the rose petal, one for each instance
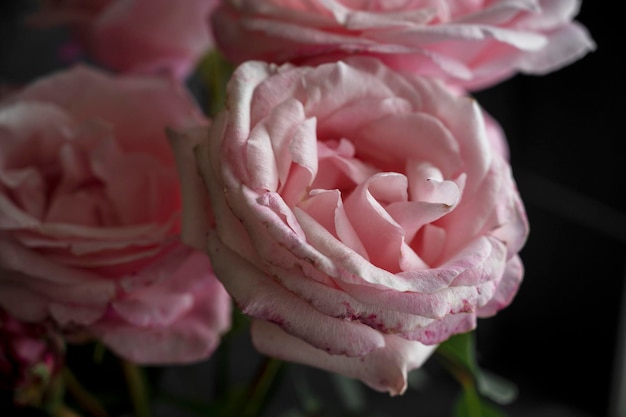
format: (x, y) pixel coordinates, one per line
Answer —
(384, 369)
(260, 297)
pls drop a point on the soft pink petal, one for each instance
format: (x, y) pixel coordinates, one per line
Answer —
(178, 318)
(185, 342)
(122, 103)
(338, 168)
(152, 36)
(440, 330)
(567, 45)
(384, 369)
(413, 136)
(507, 288)
(326, 207)
(469, 44)
(260, 297)
(303, 153)
(380, 234)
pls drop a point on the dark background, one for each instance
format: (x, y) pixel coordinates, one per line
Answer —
(558, 341)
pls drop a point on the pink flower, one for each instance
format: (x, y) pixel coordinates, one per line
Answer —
(90, 217)
(136, 35)
(359, 215)
(471, 43)
(31, 356)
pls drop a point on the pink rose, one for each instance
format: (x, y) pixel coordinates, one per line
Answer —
(471, 43)
(136, 35)
(359, 215)
(90, 217)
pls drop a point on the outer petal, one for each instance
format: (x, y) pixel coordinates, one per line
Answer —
(384, 369)
(152, 36)
(131, 104)
(260, 297)
(56, 289)
(567, 45)
(507, 288)
(469, 44)
(177, 320)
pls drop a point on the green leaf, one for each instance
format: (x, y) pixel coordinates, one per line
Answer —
(460, 351)
(470, 404)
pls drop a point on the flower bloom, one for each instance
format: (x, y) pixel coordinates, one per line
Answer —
(90, 217)
(146, 36)
(359, 215)
(470, 43)
(31, 356)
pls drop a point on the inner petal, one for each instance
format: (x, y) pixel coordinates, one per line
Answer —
(138, 186)
(381, 235)
(303, 160)
(26, 188)
(269, 147)
(339, 168)
(326, 207)
(392, 140)
(79, 197)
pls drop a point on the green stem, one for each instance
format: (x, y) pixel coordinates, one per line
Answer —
(472, 400)
(265, 382)
(466, 379)
(84, 398)
(135, 379)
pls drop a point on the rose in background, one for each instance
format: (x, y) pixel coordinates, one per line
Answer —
(31, 356)
(473, 44)
(149, 36)
(360, 216)
(90, 217)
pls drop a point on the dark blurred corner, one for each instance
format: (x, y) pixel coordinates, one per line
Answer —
(558, 341)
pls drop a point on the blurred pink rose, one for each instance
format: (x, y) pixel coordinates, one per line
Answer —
(90, 217)
(359, 215)
(147, 36)
(31, 356)
(472, 43)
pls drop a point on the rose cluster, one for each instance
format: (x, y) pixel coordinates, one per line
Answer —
(351, 198)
